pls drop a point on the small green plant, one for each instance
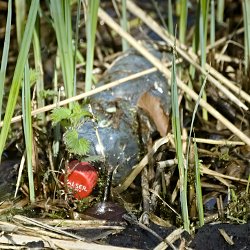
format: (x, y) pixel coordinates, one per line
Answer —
(71, 119)
(238, 206)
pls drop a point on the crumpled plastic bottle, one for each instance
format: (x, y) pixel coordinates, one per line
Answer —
(119, 123)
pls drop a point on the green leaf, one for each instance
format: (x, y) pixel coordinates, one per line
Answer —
(33, 76)
(74, 144)
(59, 114)
(78, 114)
(48, 93)
(76, 108)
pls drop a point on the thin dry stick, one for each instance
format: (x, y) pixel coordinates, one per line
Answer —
(23, 240)
(215, 142)
(231, 85)
(225, 38)
(190, 56)
(132, 220)
(205, 170)
(157, 63)
(175, 235)
(87, 94)
(47, 227)
(138, 168)
(225, 58)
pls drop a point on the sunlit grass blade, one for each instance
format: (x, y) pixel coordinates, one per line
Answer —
(61, 14)
(178, 144)
(220, 10)
(203, 28)
(91, 31)
(18, 73)
(20, 18)
(4, 60)
(212, 24)
(27, 128)
(203, 23)
(198, 186)
(76, 42)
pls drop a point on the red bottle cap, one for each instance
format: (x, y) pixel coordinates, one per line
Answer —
(82, 178)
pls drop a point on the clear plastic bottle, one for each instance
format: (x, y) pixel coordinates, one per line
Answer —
(120, 123)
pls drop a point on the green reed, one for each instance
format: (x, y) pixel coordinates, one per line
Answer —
(246, 19)
(4, 60)
(61, 15)
(91, 24)
(27, 128)
(18, 72)
(176, 127)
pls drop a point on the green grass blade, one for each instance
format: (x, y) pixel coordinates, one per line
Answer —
(183, 20)
(203, 44)
(57, 133)
(39, 70)
(18, 73)
(246, 18)
(195, 47)
(197, 169)
(212, 24)
(4, 60)
(76, 41)
(20, 19)
(198, 186)
(220, 10)
(61, 15)
(91, 31)
(27, 128)
(178, 142)
(193, 116)
(170, 18)
(203, 29)
(124, 24)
